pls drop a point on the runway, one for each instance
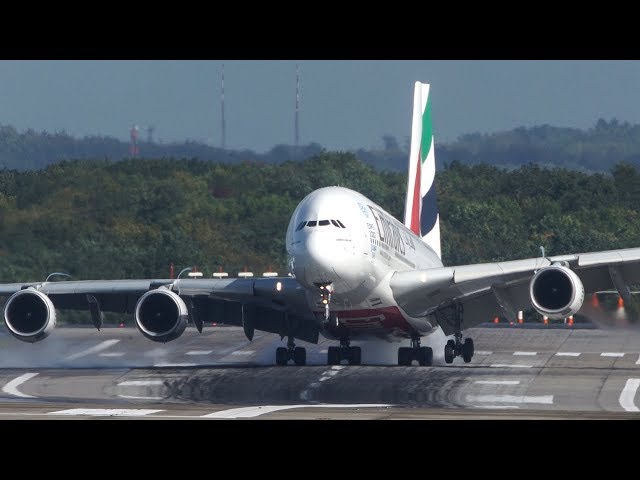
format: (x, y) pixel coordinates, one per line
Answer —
(516, 373)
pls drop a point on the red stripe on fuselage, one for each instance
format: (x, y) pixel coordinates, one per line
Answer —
(378, 321)
(417, 199)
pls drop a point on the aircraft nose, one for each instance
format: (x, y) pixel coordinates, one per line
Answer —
(320, 251)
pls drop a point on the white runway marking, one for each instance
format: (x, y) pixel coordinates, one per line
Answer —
(506, 365)
(568, 354)
(525, 353)
(544, 399)
(12, 387)
(497, 382)
(482, 352)
(133, 397)
(141, 383)
(324, 351)
(612, 354)
(111, 354)
(167, 364)
(628, 394)
(108, 412)
(243, 352)
(98, 348)
(638, 361)
(496, 407)
(199, 352)
(337, 367)
(250, 412)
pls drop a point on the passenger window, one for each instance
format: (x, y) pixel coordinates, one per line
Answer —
(311, 223)
(301, 226)
(323, 223)
(341, 224)
(335, 224)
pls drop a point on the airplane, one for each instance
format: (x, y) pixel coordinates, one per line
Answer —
(357, 274)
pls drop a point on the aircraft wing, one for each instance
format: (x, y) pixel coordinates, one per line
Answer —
(268, 304)
(487, 290)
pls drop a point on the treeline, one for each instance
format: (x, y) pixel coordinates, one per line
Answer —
(597, 149)
(131, 219)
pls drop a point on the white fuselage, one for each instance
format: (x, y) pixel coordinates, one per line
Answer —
(339, 237)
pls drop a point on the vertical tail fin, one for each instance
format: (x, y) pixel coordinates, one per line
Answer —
(421, 207)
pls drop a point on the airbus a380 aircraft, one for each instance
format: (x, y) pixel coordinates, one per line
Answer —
(358, 274)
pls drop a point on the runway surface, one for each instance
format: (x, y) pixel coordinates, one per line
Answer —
(516, 373)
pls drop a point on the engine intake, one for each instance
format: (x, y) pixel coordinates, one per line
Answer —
(30, 315)
(161, 315)
(556, 291)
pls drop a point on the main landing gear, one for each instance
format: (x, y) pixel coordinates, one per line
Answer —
(344, 352)
(291, 352)
(424, 355)
(455, 348)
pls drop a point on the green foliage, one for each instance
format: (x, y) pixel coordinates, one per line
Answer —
(131, 219)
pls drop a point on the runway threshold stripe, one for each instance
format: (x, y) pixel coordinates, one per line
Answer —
(542, 399)
(568, 354)
(141, 383)
(95, 349)
(105, 412)
(525, 353)
(612, 354)
(628, 394)
(12, 387)
(497, 382)
(250, 412)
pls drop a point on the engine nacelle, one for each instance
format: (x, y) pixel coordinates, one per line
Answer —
(29, 315)
(556, 291)
(161, 315)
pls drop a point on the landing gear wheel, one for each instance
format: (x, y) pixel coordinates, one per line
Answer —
(300, 356)
(467, 350)
(333, 356)
(355, 356)
(425, 356)
(281, 356)
(449, 351)
(404, 356)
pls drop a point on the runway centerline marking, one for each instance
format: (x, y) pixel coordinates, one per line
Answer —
(112, 354)
(482, 352)
(134, 397)
(525, 353)
(628, 394)
(12, 387)
(568, 354)
(542, 399)
(497, 382)
(506, 365)
(612, 354)
(105, 412)
(140, 383)
(243, 352)
(250, 412)
(199, 352)
(95, 349)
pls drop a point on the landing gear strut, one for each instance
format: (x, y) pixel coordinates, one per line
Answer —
(456, 348)
(291, 352)
(424, 355)
(344, 352)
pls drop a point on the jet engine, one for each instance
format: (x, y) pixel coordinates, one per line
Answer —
(30, 315)
(161, 315)
(556, 291)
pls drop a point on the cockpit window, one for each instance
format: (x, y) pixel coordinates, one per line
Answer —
(335, 224)
(323, 223)
(311, 223)
(301, 226)
(341, 224)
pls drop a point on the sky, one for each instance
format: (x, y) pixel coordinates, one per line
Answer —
(344, 104)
